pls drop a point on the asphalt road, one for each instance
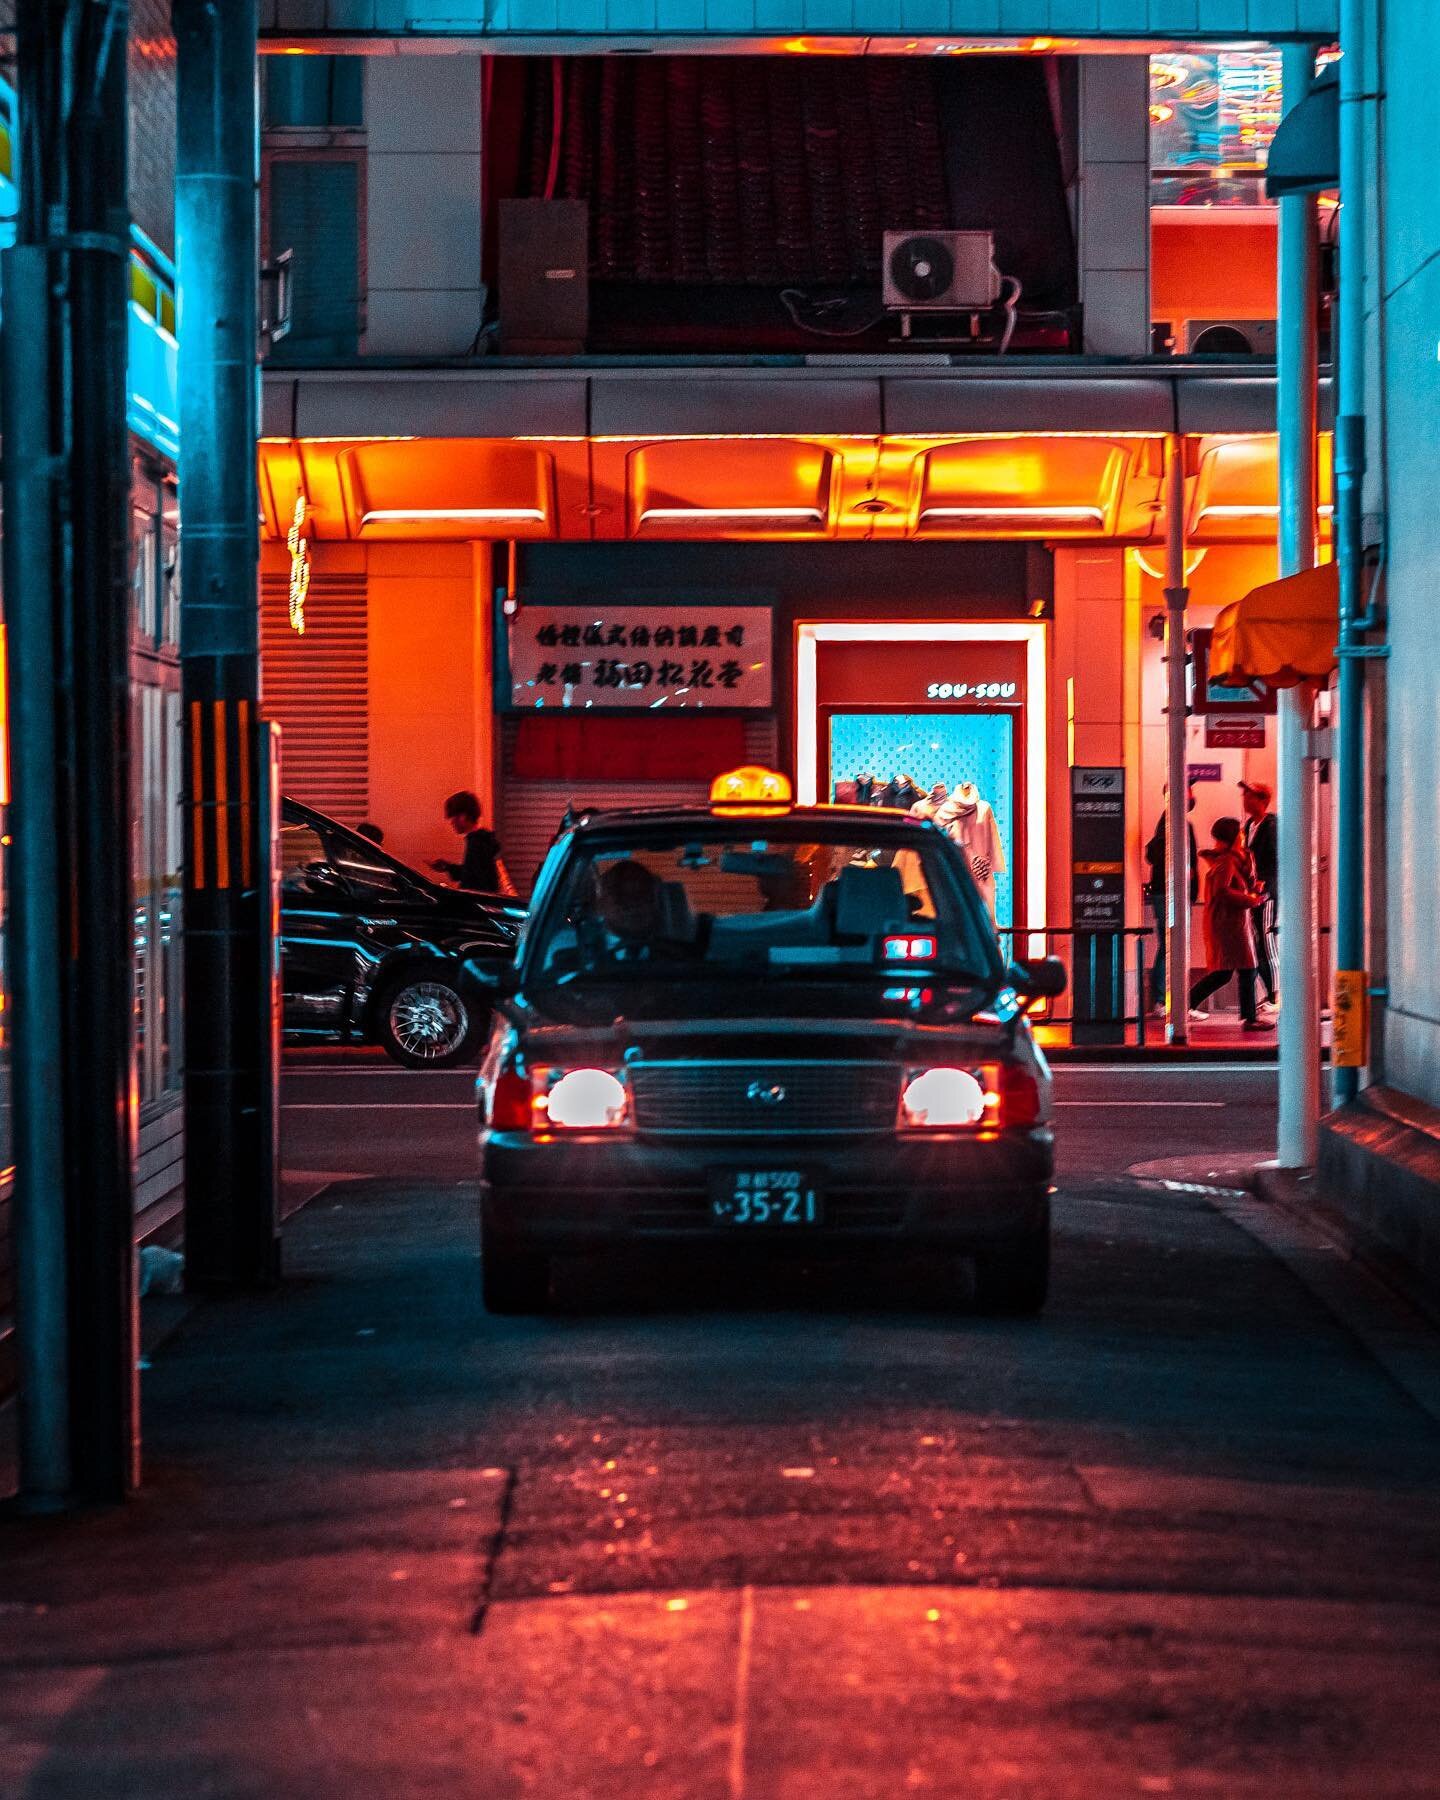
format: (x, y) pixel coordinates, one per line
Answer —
(368, 1117)
(719, 1531)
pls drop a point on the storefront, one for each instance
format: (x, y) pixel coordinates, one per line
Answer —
(902, 704)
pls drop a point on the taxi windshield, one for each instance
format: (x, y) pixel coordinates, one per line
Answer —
(755, 895)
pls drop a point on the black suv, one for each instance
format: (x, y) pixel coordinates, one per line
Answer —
(764, 1025)
(374, 952)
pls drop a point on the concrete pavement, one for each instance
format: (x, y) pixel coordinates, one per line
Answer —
(712, 1531)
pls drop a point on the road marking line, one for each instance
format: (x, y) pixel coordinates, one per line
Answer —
(387, 1071)
(1162, 1105)
(1069, 1071)
(377, 1106)
(740, 1727)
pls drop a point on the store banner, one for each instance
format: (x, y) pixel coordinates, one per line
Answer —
(675, 657)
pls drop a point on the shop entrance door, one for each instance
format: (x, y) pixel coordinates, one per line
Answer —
(950, 746)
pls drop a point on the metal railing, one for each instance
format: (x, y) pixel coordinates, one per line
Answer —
(1110, 965)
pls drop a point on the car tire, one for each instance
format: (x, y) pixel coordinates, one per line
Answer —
(1012, 1279)
(513, 1281)
(423, 1021)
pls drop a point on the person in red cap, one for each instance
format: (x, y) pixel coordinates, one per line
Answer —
(1260, 837)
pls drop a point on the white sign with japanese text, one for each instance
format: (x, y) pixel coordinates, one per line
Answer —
(583, 655)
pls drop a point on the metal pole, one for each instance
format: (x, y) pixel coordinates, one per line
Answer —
(1351, 981)
(1177, 823)
(38, 1216)
(231, 1217)
(1298, 287)
(68, 593)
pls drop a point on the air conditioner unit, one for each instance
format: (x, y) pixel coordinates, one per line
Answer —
(940, 271)
(1229, 337)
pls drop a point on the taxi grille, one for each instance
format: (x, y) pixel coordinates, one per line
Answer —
(764, 1099)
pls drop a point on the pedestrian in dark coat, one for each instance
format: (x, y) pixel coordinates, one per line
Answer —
(1230, 897)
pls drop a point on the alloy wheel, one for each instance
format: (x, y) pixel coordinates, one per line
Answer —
(428, 1020)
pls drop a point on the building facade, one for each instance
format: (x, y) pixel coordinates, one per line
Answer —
(153, 412)
(1380, 1162)
(947, 545)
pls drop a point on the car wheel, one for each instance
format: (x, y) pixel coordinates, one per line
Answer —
(1013, 1279)
(513, 1281)
(425, 1022)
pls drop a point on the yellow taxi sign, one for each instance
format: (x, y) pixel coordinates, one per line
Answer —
(751, 786)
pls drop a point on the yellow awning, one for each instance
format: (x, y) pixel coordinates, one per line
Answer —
(1282, 633)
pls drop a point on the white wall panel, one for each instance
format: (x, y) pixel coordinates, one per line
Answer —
(1402, 442)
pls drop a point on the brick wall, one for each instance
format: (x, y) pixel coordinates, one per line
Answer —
(152, 120)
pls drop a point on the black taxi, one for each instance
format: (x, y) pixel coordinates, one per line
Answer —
(764, 1024)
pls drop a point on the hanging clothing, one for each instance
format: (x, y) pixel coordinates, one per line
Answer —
(970, 822)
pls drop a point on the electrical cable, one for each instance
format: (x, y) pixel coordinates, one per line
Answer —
(1010, 303)
(792, 299)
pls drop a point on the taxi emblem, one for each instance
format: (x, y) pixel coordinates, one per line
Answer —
(763, 1094)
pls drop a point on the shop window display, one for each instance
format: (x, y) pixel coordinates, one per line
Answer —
(877, 749)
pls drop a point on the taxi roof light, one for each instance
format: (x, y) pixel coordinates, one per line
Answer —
(751, 785)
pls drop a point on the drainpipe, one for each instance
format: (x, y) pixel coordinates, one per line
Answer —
(1296, 884)
(1351, 982)
(1177, 821)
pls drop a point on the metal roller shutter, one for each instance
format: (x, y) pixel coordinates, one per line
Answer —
(316, 686)
(530, 811)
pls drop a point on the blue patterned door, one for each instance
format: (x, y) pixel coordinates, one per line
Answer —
(938, 746)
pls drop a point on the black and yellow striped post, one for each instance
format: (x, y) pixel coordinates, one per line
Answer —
(231, 1231)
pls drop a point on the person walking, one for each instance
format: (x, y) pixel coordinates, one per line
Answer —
(1261, 837)
(1230, 899)
(1157, 895)
(482, 868)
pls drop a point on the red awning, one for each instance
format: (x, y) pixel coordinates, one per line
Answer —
(1282, 633)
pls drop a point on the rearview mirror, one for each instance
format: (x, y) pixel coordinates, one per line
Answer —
(1043, 980)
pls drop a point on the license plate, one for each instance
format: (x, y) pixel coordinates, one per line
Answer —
(765, 1198)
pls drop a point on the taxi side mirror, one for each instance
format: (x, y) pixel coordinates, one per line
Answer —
(1043, 980)
(498, 980)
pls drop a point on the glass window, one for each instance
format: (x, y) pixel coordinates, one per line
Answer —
(301, 853)
(755, 897)
(158, 965)
(1212, 116)
(145, 571)
(169, 573)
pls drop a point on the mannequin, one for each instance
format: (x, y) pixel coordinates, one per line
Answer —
(969, 820)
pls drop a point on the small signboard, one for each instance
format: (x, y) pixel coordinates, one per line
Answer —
(681, 657)
(1097, 849)
(1205, 772)
(1097, 904)
(1350, 1041)
(1218, 696)
(1234, 731)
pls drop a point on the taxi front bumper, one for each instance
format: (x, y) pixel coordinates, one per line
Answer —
(946, 1191)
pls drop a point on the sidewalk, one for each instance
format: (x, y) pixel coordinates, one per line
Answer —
(290, 1606)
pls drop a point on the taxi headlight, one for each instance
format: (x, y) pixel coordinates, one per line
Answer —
(582, 1100)
(944, 1099)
